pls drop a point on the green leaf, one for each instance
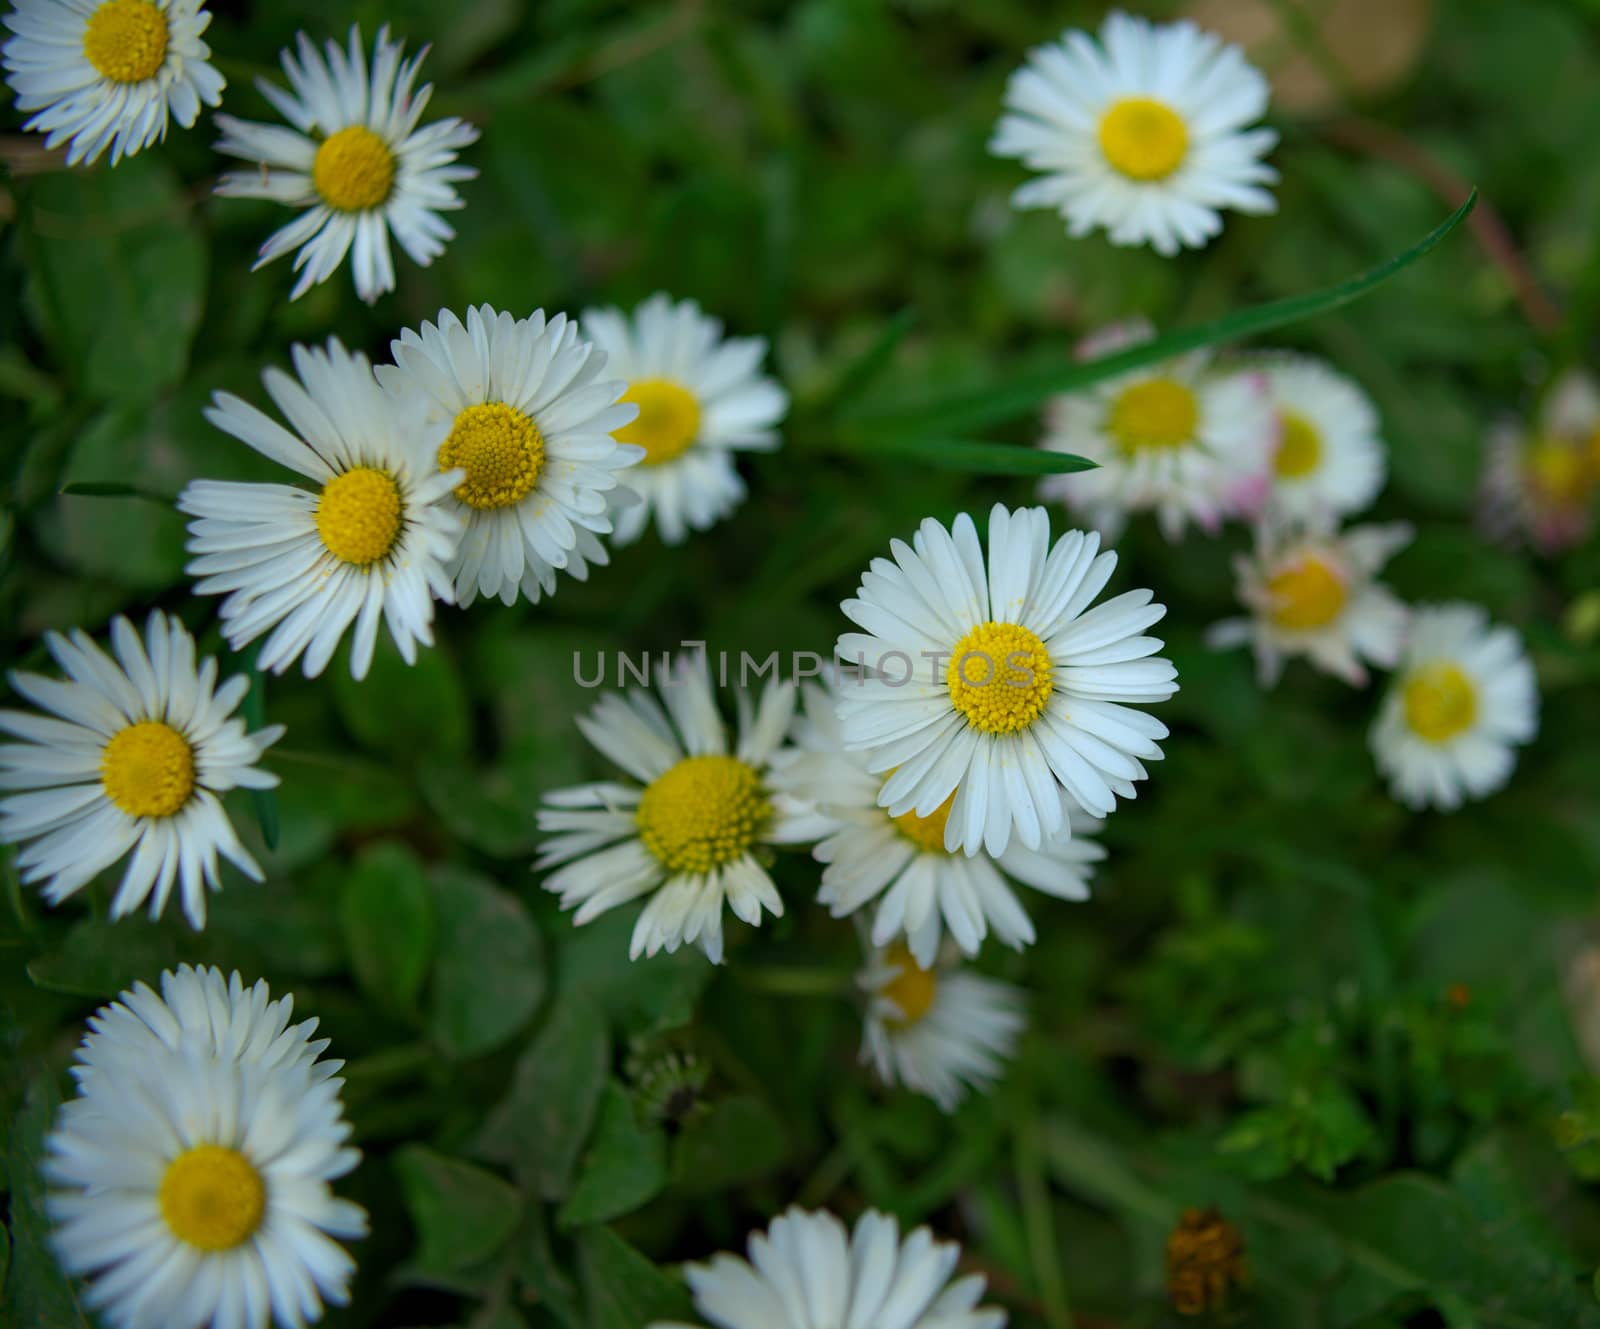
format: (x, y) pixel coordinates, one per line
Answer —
(409, 711)
(861, 372)
(959, 454)
(494, 809)
(35, 1292)
(93, 489)
(386, 912)
(548, 1281)
(99, 959)
(622, 1289)
(489, 973)
(262, 801)
(624, 1166)
(463, 1213)
(643, 996)
(739, 1141)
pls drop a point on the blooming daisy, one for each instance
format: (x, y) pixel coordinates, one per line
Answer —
(901, 862)
(1329, 460)
(1542, 483)
(520, 407)
(998, 683)
(700, 397)
(1143, 134)
(689, 832)
(934, 1029)
(190, 1179)
(808, 1270)
(1313, 593)
(1182, 438)
(1463, 696)
(131, 759)
(109, 73)
(372, 540)
(354, 159)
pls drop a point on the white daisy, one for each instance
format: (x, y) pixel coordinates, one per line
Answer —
(373, 540)
(1314, 592)
(701, 397)
(935, 1029)
(1142, 134)
(1329, 460)
(354, 159)
(998, 683)
(190, 1176)
(1181, 438)
(807, 1271)
(901, 863)
(1463, 697)
(109, 73)
(135, 764)
(521, 407)
(1541, 483)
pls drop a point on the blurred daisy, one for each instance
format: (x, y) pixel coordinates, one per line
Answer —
(372, 541)
(1314, 593)
(109, 74)
(520, 407)
(1541, 484)
(1463, 697)
(936, 1030)
(190, 1181)
(690, 836)
(354, 159)
(920, 887)
(701, 397)
(1142, 134)
(808, 1269)
(131, 760)
(1180, 438)
(1011, 688)
(1329, 461)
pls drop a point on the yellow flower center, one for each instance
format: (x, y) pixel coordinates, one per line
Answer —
(212, 1197)
(1559, 471)
(1440, 702)
(1000, 677)
(353, 170)
(1143, 138)
(1307, 594)
(913, 989)
(1158, 413)
(148, 769)
(499, 448)
(702, 813)
(358, 515)
(126, 40)
(668, 421)
(927, 833)
(1300, 448)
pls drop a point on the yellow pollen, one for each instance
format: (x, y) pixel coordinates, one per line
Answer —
(1559, 472)
(126, 40)
(927, 833)
(913, 989)
(1143, 139)
(1440, 702)
(353, 170)
(1300, 448)
(1307, 594)
(702, 813)
(212, 1198)
(1000, 677)
(499, 448)
(668, 422)
(148, 769)
(358, 515)
(1158, 413)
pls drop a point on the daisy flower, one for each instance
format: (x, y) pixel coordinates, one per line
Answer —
(1541, 483)
(1463, 697)
(353, 160)
(190, 1179)
(688, 833)
(131, 760)
(808, 1269)
(109, 74)
(1314, 593)
(1181, 438)
(701, 396)
(935, 1029)
(997, 683)
(1142, 134)
(920, 887)
(519, 406)
(1329, 461)
(372, 541)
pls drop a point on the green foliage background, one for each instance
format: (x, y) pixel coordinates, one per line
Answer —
(1341, 1023)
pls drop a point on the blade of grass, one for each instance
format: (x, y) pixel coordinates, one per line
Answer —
(262, 801)
(866, 367)
(963, 454)
(112, 489)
